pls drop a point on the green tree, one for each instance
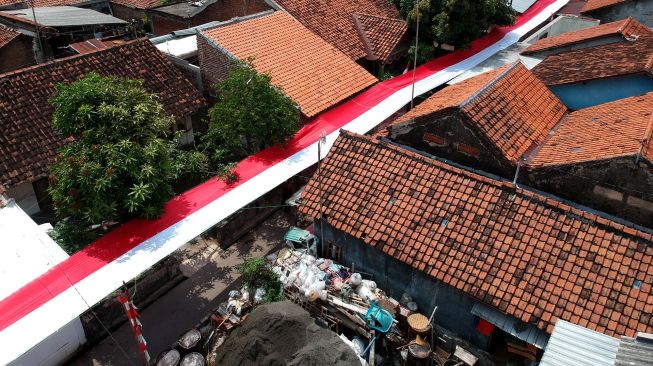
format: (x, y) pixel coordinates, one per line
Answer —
(120, 162)
(250, 115)
(457, 22)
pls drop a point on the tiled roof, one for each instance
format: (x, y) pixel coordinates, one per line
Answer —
(381, 35)
(7, 35)
(138, 4)
(332, 19)
(28, 143)
(525, 254)
(599, 4)
(511, 108)
(599, 62)
(600, 132)
(310, 71)
(42, 3)
(628, 27)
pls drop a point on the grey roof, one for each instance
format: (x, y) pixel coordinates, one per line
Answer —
(528, 333)
(635, 351)
(521, 6)
(573, 345)
(186, 9)
(64, 16)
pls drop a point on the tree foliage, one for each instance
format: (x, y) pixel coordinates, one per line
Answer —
(251, 114)
(120, 162)
(456, 22)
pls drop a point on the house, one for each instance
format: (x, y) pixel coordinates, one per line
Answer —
(611, 10)
(620, 31)
(594, 75)
(57, 26)
(169, 18)
(602, 157)
(29, 144)
(314, 74)
(361, 29)
(487, 122)
(15, 50)
(477, 246)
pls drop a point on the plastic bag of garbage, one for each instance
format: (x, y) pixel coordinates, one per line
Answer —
(322, 294)
(318, 285)
(359, 345)
(369, 284)
(234, 294)
(356, 279)
(259, 296)
(405, 299)
(244, 294)
(366, 294)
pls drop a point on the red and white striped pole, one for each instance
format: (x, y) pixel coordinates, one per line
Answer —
(132, 314)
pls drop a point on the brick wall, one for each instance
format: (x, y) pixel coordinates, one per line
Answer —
(163, 25)
(619, 186)
(126, 13)
(17, 55)
(214, 64)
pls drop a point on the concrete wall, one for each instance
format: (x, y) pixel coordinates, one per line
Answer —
(444, 135)
(454, 307)
(17, 54)
(618, 187)
(25, 197)
(593, 92)
(126, 13)
(642, 10)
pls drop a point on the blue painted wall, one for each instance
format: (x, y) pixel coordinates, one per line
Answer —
(454, 307)
(590, 93)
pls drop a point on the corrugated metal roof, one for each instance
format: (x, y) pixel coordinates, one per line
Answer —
(573, 345)
(635, 351)
(521, 6)
(64, 16)
(529, 332)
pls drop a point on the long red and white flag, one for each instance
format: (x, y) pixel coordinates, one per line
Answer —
(132, 314)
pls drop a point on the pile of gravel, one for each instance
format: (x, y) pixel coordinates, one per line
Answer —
(282, 333)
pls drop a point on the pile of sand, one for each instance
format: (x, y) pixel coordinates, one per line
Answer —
(282, 333)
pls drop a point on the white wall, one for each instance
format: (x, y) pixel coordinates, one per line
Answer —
(55, 349)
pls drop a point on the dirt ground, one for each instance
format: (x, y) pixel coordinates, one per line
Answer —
(211, 276)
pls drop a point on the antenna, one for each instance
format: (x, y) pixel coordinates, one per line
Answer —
(412, 91)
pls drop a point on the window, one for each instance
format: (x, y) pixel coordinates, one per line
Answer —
(333, 251)
(468, 150)
(432, 139)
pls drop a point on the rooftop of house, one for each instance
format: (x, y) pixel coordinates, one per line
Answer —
(626, 28)
(41, 3)
(604, 131)
(7, 35)
(509, 106)
(185, 9)
(333, 20)
(310, 71)
(598, 62)
(592, 5)
(60, 16)
(380, 36)
(528, 255)
(28, 143)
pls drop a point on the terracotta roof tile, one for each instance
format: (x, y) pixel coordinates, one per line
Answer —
(600, 132)
(380, 35)
(332, 19)
(599, 62)
(310, 71)
(28, 143)
(528, 255)
(599, 4)
(138, 4)
(626, 28)
(7, 35)
(511, 108)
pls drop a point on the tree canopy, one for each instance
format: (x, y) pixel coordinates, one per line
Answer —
(120, 162)
(250, 115)
(456, 22)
